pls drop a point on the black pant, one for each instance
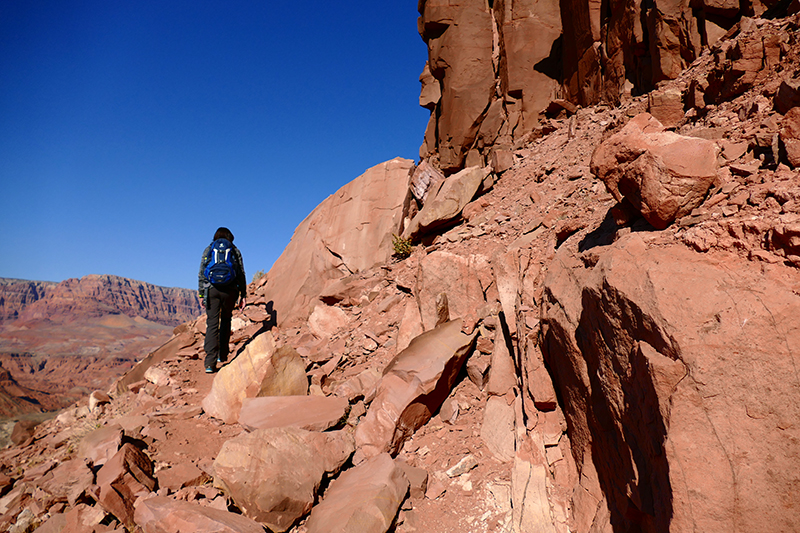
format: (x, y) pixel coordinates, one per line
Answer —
(219, 308)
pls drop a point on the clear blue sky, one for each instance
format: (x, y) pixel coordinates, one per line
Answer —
(129, 131)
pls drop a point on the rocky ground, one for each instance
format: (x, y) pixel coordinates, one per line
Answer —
(491, 439)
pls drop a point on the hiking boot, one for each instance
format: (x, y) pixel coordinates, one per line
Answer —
(222, 360)
(210, 370)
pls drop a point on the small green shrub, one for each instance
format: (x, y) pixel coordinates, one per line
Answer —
(402, 247)
(258, 275)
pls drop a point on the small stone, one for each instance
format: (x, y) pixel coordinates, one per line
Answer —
(463, 466)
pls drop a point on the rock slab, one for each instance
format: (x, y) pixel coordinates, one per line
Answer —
(364, 499)
(274, 474)
(414, 385)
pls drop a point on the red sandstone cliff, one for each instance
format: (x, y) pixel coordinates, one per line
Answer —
(16, 294)
(94, 296)
(496, 69)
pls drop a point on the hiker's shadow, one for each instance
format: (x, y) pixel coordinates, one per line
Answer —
(272, 320)
(266, 325)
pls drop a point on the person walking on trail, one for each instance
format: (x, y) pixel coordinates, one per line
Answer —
(221, 282)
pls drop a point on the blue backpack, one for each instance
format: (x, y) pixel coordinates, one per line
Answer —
(220, 270)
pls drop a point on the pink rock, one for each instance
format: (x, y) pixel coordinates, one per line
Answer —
(181, 475)
(362, 385)
(410, 325)
(69, 481)
(503, 374)
(497, 430)
(274, 474)
(413, 387)
(666, 106)
(240, 379)
(448, 201)
(662, 174)
(417, 478)
(165, 515)
(285, 375)
(313, 413)
(424, 177)
(364, 499)
(98, 398)
(326, 320)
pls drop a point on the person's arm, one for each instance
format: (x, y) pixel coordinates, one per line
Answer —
(201, 276)
(241, 278)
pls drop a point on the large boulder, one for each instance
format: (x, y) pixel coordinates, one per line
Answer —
(68, 482)
(350, 231)
(451, 196)
(285, 375)
(273, 475)
(240, 379)
(662, 174)
(414, 385)
(678, 378)
(364, 499)
(165, 515)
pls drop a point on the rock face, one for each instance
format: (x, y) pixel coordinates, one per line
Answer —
(699, 355)
(494, 69)
(94, 296)
(449, 200)
(348, 232)
(661, 174)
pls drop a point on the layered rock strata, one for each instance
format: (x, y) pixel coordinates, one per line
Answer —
(497, 70)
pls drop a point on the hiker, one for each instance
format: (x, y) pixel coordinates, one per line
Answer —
(221, 282)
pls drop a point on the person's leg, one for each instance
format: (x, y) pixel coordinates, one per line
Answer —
(228, 303)
(211, 344)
